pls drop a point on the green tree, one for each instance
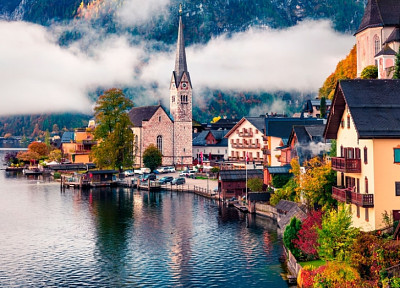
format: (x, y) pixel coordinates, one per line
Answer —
(369, 72)
(152, 157)
(255, 184)
(113, 130)
(290, 234)
(396, 74)
(287, 192)
(336, 235)
(280, 180)
(322, 107)
(55, 155)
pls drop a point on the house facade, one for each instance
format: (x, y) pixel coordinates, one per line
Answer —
(246, 138)
(365, 121)
(210, 145)
(378, 37)
(232, 183)
(171, 133)
(77, 146)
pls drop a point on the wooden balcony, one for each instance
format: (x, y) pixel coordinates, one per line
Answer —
(246, 134)
(346, 165)
(252, 146)
(346, 195)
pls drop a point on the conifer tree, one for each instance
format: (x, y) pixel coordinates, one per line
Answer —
(396, 74)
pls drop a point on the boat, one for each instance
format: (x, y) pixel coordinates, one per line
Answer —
(32, 171)
(241, 207)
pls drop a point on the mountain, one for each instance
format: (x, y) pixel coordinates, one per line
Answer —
(204, 20)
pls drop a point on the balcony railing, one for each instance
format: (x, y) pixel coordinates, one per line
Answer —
(252, 146)
(346, 165)
(347, 195)
(246, 134)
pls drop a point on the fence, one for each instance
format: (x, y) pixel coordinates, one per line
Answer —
(266, 210)
(291, 262)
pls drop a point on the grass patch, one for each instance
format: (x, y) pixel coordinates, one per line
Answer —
(314, 263)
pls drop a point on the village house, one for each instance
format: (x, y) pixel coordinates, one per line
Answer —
(211, 146)
(232, 183)
(312, 108)
(169, 132)
(365, 121)
(246, 141)
(378, 37)
(76, 146)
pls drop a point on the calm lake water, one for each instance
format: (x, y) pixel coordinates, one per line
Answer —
(127, 238)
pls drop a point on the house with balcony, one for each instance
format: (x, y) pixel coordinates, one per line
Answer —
(246, 138)
(77, 146)
(365, 121)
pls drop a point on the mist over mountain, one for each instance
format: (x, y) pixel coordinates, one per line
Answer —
(59, 55)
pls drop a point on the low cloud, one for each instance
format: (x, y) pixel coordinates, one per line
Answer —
(137, 12)
(39, 76)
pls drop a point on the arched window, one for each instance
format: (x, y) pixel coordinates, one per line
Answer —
(377, 44)
(159, 143)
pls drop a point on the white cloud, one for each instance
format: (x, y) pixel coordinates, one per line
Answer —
(38, 76)
(299, 58)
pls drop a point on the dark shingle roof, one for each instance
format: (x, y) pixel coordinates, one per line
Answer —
(279, 169)
(257, 122)
(139, 114)
(287, 210)
(282, 127)
(380, 13)
(386, 50)
(394, 36)
(374, 107)
(240, 175)
(259, 196)
(200, 139)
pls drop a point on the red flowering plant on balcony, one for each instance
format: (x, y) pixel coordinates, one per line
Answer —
(308, 236)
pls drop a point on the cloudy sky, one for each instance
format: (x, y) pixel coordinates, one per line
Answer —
(39, 76)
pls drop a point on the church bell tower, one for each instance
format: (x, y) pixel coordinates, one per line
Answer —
(181, 102)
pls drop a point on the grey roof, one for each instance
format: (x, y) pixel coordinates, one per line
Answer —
(282, 127)
(386, 50)
(240, 175)
(139, 114)
(67, 137)
(374, 107)
(379, 13)
(180, 60)
(200, 139)
(279, 169)
(257, 122)
(259, 196)
(287, 210)
(394, 36)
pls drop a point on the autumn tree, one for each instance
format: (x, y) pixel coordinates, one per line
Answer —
(39, 147)
(369, 72)
(336, 236)
(55, 155)
(345, 69)
(307, 240)
(152, 157)
(291, 234)
(314, 183)
(113, 130)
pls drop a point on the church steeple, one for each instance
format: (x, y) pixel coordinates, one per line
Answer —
(180, 60)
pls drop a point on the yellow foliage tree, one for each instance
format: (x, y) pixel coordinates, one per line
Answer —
(216, 119)
(345, 69)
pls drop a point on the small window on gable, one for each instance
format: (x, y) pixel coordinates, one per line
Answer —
(159, 118)
(348, 121)
(366, 185)
(342, 123)
(396, 155)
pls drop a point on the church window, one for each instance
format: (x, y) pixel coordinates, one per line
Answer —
(159, 143)
(377, 44)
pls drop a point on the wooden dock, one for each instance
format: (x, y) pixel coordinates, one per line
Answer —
(148, 185)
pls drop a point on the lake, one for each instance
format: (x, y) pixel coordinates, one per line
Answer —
(119, 237)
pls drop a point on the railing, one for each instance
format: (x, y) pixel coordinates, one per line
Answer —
(252, 146)
(246, 134)
(363, 200)
(347, 195)
(237, 145)
(346, 165)
(232, 158)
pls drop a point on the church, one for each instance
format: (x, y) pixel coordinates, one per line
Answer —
(170, 133)
(378, 37)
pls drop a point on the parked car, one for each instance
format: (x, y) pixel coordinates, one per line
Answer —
(170, 169)
(166, 179)
(188, 173)
(178, 181)
(149, 177)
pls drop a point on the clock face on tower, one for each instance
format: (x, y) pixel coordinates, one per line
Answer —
(184, 85)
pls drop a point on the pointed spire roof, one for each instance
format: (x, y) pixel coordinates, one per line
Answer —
(180, 60)
(379, 13)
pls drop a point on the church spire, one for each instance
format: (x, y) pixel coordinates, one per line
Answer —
(180, 60)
